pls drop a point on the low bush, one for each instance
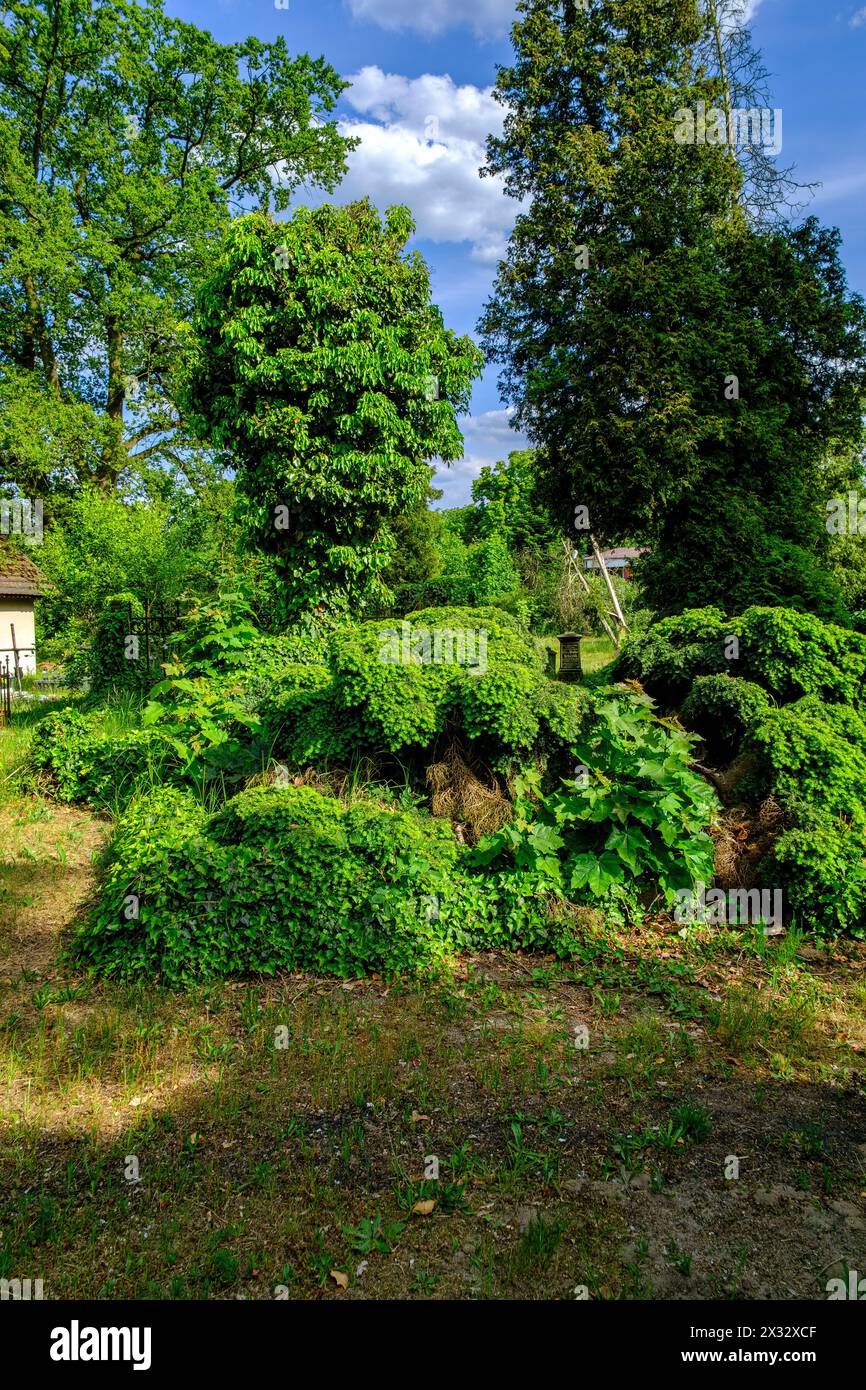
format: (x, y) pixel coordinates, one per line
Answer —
(633, 821)
(787, 653)
(80, 762)
(210, 705)
(271, 665)
(282, 877)
(792, 654)
(667, 658)
(286, 877)
(721, 709)
(797, 706)
(476, 670)
(821, 869)
(812, 755)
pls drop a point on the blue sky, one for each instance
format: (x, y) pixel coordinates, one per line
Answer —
(420, 100)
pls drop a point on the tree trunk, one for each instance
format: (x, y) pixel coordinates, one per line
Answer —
(114, 453)
(37, 331)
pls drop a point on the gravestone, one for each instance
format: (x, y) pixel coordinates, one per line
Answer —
(569, 656)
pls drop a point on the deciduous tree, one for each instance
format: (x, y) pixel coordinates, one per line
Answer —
(127, 139)
(331, 377)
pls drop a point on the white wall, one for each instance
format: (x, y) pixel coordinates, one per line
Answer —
(17, 612)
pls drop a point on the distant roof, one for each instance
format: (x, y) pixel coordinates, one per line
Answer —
(623, 552)
(19, 576)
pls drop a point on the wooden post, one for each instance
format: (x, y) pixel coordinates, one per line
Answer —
(15, 657)
(575, 565)
(599, 560)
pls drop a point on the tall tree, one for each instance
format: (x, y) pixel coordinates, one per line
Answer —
(331, 376)
(506, 504)
(127, 140)
(679, 367)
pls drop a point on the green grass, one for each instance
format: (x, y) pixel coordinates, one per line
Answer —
(596, 652)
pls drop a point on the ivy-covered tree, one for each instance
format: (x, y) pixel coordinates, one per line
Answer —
(331, 377)
(127, 140)
(680, 366)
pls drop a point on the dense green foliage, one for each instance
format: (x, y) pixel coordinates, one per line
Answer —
(127, 139)
(790, 692)
(289, 878)
(813, 754)
(720, 709)
(786, 652)
(472, 671)
(111, 661)
(235, 418)
(502, 550)
(711, 449)
(208, 706)
(821, 869)
(633, 820)
(78, 760)
(327, 371)
(507, 503)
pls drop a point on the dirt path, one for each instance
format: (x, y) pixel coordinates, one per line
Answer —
(46, 874)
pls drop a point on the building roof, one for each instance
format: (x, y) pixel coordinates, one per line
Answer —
(619, 557)
(19, 577)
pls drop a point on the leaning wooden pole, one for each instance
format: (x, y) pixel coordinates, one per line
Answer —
(599, 560)
(575, 559)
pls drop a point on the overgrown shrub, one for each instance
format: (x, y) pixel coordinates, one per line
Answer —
(721, 709)
(271, 664)
(821, 869)
(787, 653)
(792, 654)
(226, 672)
(80, 761)
(634, 819)
(390, 692)
(812, 755)
(282, 877)
(109, 662)
(808, 752)
(209, 726)
(668, 657)
(286, 877)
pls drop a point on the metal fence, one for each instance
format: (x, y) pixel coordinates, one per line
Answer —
(6, 678)
(154, 627)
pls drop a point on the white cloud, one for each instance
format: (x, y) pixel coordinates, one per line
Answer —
(488, 438)
(488, 19)
(839, 186)
(858, 19)
(422, 144)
